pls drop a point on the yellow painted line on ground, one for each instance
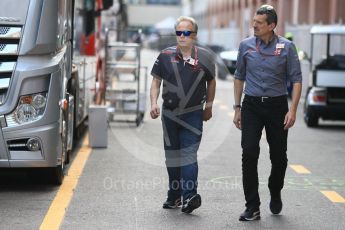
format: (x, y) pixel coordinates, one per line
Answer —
(58, 207)
(333, 196)
(300, 169)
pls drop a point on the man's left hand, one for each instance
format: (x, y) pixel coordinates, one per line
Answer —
(289, 120)
(207, 114)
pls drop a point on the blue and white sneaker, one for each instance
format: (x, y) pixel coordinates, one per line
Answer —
(191, 203)
(250, 214)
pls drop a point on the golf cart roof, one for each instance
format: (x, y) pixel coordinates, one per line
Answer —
(328, 29)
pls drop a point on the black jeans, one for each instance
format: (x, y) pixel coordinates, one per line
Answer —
(256, 114)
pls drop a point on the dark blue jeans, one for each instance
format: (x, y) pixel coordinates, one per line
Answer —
(182, 136)
(256, 115)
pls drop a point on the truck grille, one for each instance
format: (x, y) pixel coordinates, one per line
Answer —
(4, 30)
(9, 49)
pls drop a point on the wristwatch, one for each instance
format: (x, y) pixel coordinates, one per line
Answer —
(236, 106)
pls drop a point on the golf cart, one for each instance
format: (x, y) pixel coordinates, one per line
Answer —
(325, 96)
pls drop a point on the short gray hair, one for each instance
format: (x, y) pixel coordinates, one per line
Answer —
(189, 19)
(270, 13)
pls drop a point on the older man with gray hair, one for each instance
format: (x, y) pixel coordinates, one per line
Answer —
(188, 76)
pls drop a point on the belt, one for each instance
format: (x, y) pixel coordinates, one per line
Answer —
(265, 99)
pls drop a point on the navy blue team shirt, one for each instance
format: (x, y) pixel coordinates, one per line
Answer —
(184, 81)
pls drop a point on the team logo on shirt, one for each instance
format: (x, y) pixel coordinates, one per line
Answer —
(277, 52)
(279, 47)
(192, 61)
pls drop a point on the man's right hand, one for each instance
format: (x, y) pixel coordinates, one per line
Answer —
(155, 111)
(237, 118)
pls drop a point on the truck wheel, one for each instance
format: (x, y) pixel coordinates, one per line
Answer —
(70, 127)
(57, 174)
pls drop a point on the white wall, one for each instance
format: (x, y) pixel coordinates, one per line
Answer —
(229, 38)
(199, 6)
(186, 7)
(148, 15)
(301, 36)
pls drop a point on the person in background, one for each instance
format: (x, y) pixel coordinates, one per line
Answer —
(188, 76)
(265, 63)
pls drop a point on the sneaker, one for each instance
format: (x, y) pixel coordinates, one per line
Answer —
(276, 204)
(191, 203)
(250, 214)
(170, 204)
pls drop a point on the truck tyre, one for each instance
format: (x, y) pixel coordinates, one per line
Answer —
(58, 174)
(70, 127)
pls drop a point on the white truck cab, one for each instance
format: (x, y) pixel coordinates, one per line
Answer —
(42, 99)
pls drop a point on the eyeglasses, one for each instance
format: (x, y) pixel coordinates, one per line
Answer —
(185, 33)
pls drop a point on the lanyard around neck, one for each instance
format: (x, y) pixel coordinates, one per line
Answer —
(264, 53)
(192, 60)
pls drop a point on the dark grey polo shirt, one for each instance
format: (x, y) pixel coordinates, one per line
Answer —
(267, 69)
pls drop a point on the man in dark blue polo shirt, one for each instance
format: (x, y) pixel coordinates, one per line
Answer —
(188, 75)
(265, 63)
